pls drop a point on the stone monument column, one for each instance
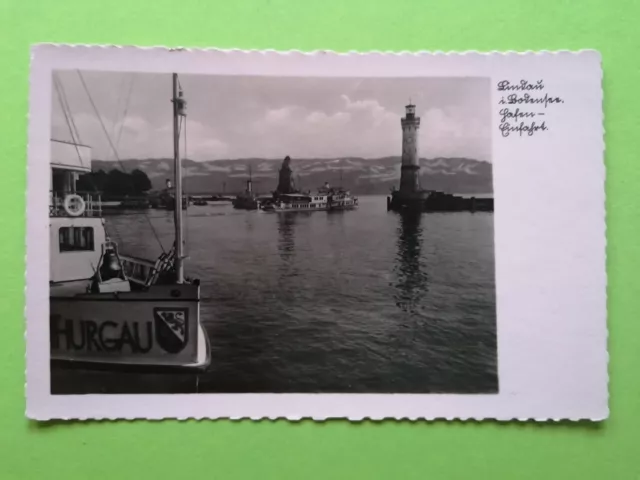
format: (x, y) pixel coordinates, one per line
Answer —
(285, 179)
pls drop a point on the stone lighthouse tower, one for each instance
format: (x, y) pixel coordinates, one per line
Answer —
(410, 172)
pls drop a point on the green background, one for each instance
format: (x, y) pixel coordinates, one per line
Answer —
(334, 449)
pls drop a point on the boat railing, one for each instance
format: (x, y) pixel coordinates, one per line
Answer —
(75, 204)
(145, 272)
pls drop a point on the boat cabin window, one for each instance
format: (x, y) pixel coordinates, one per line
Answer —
(76, 239)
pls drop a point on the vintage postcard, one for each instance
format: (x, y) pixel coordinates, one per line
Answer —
(257, 234)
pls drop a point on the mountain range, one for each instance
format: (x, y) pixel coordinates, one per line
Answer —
(360, 175)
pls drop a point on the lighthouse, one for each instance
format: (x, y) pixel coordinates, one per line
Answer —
(410, 197)
(410, 172)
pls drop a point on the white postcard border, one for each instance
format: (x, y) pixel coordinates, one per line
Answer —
(549, 239)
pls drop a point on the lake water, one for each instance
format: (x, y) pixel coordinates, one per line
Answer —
(358, 301)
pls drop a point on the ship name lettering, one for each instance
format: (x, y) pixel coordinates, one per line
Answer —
(108, 336)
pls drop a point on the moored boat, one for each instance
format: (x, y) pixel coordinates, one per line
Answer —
(342, 200)
(327, 199)
(109, 309)
(289, 198)
(247, 200)
(300, 202)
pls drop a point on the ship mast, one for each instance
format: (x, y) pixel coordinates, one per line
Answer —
(179, 110)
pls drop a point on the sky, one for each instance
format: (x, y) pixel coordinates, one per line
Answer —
(232, 117)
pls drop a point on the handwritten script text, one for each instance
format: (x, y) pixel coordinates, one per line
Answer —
(527, 111)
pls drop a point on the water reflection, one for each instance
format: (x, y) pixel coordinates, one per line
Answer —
(250, 223)
(286, 236)
(338, 302)
(412, 279)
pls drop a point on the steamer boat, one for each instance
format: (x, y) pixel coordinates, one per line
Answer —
(325, 199)
(247, 200)
(288, 198)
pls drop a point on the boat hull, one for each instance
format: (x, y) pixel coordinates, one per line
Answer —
(322, 209)
(291, 210)
(245, 204)
(342, 208)
(156, 328)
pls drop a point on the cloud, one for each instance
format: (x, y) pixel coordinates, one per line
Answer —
(279, 115)
(371, 110)
(447, 132)
(133, 124)
(270, 117)
(356, 128)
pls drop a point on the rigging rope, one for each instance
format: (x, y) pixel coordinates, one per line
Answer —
(124, 118)
(66, 105)
(117, 109)
(121, 126)
(115, 152)
(73, 131)
(126, 111)
(74, 136)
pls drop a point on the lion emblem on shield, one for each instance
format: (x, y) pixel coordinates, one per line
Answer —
(172, 328)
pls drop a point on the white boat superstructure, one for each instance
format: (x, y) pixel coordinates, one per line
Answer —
(106, 307)
(298, 202)
(331, 200)
(343, 200)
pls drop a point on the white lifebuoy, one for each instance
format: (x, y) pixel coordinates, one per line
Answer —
(74, 205)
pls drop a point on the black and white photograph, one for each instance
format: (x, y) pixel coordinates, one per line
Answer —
(335, 235)
(260, 234)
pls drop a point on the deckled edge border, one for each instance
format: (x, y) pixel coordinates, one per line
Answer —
(296, 418)
(271, 51)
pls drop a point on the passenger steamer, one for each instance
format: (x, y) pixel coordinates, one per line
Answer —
(107, 308)
(287, 198)
(301, 202)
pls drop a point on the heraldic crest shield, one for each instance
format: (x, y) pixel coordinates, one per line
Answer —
(172, 328)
